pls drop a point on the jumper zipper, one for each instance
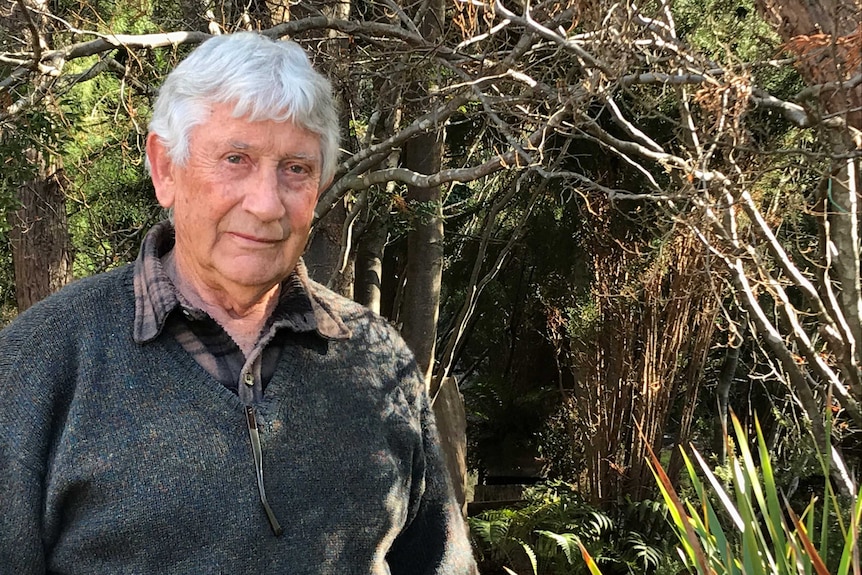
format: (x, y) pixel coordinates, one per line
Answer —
(258, 468)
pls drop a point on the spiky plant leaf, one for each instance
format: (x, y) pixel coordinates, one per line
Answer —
(680, 517)
(850, 552)
(811, 551)
(771, 507)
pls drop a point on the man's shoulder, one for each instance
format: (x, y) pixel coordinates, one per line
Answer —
(106, 294)
(371, 334)
(351, 313)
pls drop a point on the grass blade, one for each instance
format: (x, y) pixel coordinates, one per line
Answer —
(748, 484)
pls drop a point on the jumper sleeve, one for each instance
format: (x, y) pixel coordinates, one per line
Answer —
(22, 425)
(434, 541)
(21, 550)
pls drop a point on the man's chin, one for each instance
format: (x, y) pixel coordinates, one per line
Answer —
(256, 277)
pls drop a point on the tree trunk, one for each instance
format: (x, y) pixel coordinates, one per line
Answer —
(452, 424)
(420, 309)
(323, 256)
(424, 154)
(826, 36)
(39, 237)
(329, 260)
(369, 265)
(39, 232)
(722, 402)
(421, 303)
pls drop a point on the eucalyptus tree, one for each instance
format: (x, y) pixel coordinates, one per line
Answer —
(33, 180)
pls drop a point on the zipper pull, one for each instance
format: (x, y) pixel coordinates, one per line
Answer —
(258, 468)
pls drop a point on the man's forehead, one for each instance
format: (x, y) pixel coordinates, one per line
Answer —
(245, 134)
(223, 116)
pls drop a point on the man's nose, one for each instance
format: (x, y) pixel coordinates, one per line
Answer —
(262, 196)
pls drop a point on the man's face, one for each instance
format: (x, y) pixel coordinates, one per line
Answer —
(244, 201)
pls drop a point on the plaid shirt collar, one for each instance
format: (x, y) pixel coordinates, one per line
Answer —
(156, 297)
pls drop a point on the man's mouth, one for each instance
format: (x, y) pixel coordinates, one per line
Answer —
(258, 239)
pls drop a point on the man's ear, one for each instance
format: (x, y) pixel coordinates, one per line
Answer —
(161, 171)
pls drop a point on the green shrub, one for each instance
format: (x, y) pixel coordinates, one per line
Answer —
(544, 535)
(752, 529)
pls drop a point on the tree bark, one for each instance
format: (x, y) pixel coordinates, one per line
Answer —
(369, 265)
(323, 256)
(420, 310)
(421, 303)
(39, 237)
(330, 261)
(39, 232)
(423, 154)
(452, 424)
(826, 37)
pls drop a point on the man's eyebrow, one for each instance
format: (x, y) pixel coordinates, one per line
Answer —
(241, 145)
(301, 156)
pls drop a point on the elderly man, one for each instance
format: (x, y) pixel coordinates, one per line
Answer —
(209, 409)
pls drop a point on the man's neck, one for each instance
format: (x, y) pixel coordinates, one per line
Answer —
(241, 317)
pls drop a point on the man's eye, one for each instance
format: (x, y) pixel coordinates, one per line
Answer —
(297, 169)
(234, 159)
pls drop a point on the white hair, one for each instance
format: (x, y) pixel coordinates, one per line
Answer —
(264, 79)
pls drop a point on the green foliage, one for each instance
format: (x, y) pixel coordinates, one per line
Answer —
(8, 307)
(544, 537)
(109, 15)
(504, 421)
(38, 133)
(725, 29)
(30, 148)
(748, 527)
(95, 132)
(111, 202)
(582, 319)
(561, 447)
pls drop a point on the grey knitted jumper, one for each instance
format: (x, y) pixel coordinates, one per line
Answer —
(124, 458)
